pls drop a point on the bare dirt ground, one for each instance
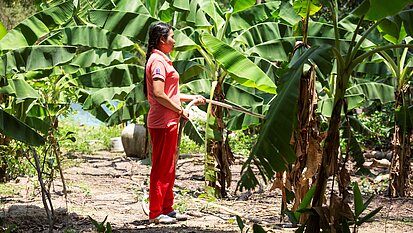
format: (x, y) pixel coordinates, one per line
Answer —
(113, 185)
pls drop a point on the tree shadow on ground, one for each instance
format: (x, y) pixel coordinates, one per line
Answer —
(32, 218)
(145, 227)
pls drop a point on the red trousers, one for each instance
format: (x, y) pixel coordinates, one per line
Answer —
(162, 178)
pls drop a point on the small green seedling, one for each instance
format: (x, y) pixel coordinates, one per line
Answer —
(100, 227)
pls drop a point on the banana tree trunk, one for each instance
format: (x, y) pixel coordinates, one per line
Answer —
(329, 162)
(219, 156)
(306, 145)
(400, 170)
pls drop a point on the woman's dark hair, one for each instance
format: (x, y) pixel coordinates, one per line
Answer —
(157, 31)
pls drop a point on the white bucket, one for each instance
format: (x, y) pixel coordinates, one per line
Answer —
(116, 145)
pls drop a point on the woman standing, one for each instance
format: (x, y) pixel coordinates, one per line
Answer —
(162, 89)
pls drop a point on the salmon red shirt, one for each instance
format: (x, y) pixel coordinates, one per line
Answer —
(160, 65)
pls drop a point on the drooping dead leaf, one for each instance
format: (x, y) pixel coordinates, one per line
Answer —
(314, 157)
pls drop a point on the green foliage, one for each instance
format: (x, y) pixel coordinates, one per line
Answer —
(70, 230)
(6, 189)
(85, 138)
(273, 151)
(241, 142)
(380, 123)
(294, 217)
(359, 208)
(3, 30)
(190, 147)
(181, 205)
(240, 223)
(100, 227)
(10, 228)
(14, 162)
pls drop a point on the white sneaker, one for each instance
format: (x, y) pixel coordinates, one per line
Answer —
(163, 219)
(177, 216)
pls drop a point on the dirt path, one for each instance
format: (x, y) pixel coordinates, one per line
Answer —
(112, 185)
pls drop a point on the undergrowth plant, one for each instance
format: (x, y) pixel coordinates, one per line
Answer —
(101, 227)
(14, 163)
(380, 122)
(86, 138)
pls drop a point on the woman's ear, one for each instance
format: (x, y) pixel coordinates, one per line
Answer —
(162, 40)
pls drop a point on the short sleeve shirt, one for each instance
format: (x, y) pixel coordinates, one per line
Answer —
(160, 65)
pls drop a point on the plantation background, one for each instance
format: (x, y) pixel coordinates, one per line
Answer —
(332, 77)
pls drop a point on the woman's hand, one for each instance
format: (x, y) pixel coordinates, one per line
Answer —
(185, 114)
(199, 99)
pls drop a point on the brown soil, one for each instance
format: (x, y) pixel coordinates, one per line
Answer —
(113, 185)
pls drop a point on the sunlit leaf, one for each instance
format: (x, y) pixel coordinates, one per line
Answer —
(237, 65)
(304, 7)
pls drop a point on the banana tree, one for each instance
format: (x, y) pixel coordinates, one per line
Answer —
(400, 169)
(346, 55)
(346, 63)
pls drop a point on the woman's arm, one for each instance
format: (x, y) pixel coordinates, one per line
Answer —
(186, 98)
(162, 98)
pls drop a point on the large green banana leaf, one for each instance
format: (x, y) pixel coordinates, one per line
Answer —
(38, 118)
(237, 65)
(269, 67)
(198, 12)
(406, 17)
(373, 91)
(19, 88)
(325, 105)
(122, 75)
(183, 42)
(132, 6)
(18, 130)
(201, 86)
(396, 28)
(273, 151)
(89, 36)
(35, 58)
(30, 30)
(272, 41)
(240, 5)
(188, 70)
(100, 57)
(379, 9)
(84, 6)
(359, 94)
(373, 68)
(275, 41)
(254, 15)
(136, 26)
(105, 95)
(126, 113)
(124, 23)
(288, 14)
(246, 99)
(193, 133)
(134, 105)
(301, 7)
